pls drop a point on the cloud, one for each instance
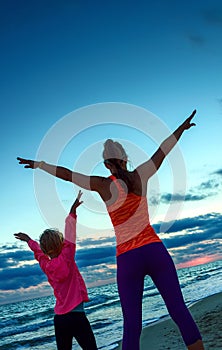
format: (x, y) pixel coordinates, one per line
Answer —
(210, 223)
(209, 185)
(201, 251)
(103, 273)
(8, 247)
(190, 238)
(12, 258)
(94, 242)
(177, 197)
(21, 277)
(95, 256)
(205, 190)
(219, 171)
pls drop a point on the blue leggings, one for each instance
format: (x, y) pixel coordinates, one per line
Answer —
(132, 267)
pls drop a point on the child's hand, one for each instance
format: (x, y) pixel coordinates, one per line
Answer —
(76, 203)
(22, 236)
(79, 196)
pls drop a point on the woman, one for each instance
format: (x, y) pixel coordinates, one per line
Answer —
(140, 251)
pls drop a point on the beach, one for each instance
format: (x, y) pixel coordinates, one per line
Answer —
(164, 335)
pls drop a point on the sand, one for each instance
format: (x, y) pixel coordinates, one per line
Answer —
(164, 335)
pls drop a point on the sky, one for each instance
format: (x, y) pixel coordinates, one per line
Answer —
(74, 73)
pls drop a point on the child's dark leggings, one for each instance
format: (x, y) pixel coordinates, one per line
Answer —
(73, 325)
(153, 260)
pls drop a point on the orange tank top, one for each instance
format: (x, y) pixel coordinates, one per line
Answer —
(130, 219)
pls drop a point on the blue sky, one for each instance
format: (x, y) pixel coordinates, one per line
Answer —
(57, 58)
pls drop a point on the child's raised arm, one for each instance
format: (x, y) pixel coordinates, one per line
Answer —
(70, 225)
(76, 203)
(22, 236)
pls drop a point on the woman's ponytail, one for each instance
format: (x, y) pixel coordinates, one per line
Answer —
(114, 153)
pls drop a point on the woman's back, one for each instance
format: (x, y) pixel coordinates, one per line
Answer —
(130, 218)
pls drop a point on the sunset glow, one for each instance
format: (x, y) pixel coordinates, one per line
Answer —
(199, 261)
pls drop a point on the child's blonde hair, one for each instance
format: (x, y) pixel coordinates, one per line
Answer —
(51, 242)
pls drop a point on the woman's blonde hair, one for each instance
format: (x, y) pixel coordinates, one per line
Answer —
(114, 150)
(115, 154)
(51, 242)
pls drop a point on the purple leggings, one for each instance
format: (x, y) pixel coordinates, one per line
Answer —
(153, 260)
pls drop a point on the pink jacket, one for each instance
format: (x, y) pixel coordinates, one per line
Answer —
(62, 272)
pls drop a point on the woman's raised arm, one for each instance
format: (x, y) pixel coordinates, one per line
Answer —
(93, 183)
(150, 167)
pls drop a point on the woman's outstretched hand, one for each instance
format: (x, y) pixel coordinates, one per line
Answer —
(187, 123)
(32, 164)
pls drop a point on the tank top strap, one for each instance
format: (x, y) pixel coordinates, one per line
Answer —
(115, 180)
(122, 195)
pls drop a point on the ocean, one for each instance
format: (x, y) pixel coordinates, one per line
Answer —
(29, 324)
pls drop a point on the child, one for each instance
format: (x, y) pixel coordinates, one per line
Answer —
(55, 255)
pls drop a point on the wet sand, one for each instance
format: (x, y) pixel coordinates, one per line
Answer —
(164, 335)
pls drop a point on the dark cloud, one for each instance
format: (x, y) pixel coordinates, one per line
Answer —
(95, 256)
(219, 171)
(154, 200)
(210, 223)
(93, 242)
(8, 247)
(21, 277)
(194, 251)
(209, 185)
(204, 190)
(201, 237)
(176, 197)
(184, 240)
(12, 258)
